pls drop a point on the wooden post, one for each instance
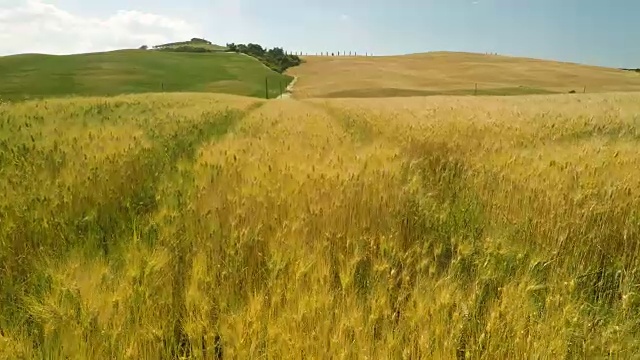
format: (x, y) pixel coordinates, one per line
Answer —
(266, 88)
(584, 91)
(476, 90)
(280, 88)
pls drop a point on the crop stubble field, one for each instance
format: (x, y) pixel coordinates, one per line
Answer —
(151, 226)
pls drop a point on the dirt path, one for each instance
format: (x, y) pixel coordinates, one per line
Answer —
(288, 92)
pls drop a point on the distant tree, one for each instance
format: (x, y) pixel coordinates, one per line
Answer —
(198, 40)
(144, 47)
(255, 50)
(276, 58)
(242, 48)
(276, 53)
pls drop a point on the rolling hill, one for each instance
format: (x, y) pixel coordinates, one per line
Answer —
(447, 73)
(134, 71)
(190, 225)
(196, 43)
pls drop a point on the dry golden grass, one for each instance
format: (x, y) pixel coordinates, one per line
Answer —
(224, 227)
(451, 73)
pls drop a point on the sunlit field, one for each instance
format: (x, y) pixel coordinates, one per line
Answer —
(220, 227)
(451, 73)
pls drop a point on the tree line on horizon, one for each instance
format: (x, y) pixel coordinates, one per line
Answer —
(276, 58)
(190, 42)
(193, 46)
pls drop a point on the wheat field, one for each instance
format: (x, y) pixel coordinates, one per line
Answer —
(221, 227)
(451, 73)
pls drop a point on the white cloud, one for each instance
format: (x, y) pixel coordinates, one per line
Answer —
(36, 26)
(345, 17)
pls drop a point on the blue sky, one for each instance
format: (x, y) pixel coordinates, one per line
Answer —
(587, 31)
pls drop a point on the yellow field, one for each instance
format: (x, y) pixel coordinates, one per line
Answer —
(146, 227)
(445, 73)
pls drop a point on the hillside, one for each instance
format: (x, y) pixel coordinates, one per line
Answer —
(195, 43)
(134, 71)
(446, 73)
(210, 47)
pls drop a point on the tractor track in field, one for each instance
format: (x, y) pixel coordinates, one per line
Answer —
(289, 91)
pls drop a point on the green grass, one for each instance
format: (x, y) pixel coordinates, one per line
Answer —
(191, 43)
(133, 71)
(212, 47)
